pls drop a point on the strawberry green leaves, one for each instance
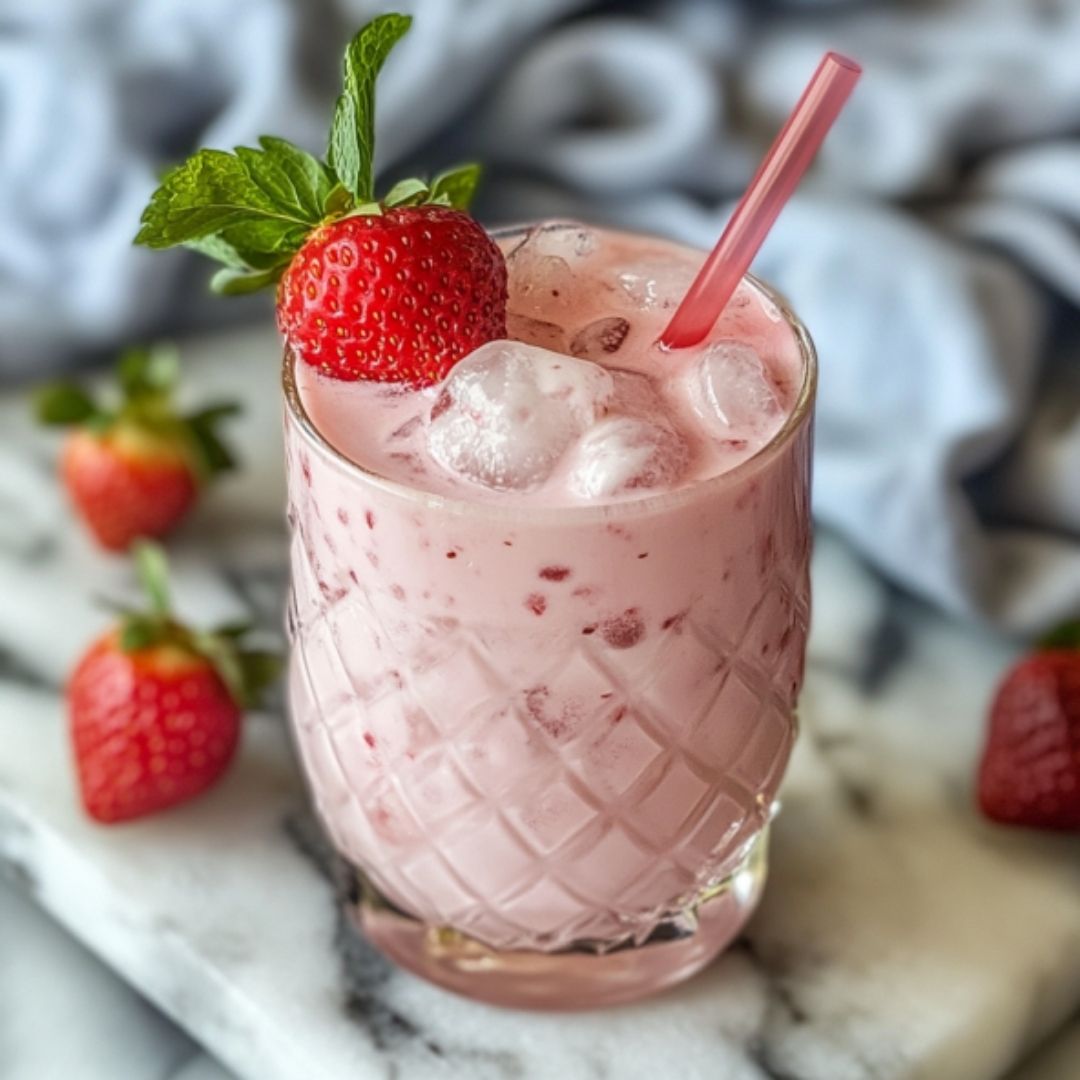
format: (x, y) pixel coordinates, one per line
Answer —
(213, 454)
(1065, 636)
(63, 403)
(147, 379)
(245, 672)
(148, 372)
(456, 187)
(252, 209)
(352, 137)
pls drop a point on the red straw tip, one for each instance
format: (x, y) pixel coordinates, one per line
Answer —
(772, 186)
(845, 62)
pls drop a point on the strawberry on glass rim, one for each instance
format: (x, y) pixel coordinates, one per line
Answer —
(155, 706)
(391, 290)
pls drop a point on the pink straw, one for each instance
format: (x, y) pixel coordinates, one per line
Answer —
(773, 184)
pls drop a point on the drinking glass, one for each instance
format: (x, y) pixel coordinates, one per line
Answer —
(548, 741)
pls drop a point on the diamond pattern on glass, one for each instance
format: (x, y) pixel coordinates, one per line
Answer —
(436, 787)
(553, 818)
(616, 760)
(688, 671)
(567, 701)
(568, 798)
(670, 803)
(485, 848)
(727, 724)
(615, 861)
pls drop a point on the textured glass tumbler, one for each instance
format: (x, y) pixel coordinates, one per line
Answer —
(549, 741)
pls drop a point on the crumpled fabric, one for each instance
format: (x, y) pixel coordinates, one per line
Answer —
(933, 252)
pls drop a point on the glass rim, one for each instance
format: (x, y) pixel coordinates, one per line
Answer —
(585, 511)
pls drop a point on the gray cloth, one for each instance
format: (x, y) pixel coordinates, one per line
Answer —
(934, 253)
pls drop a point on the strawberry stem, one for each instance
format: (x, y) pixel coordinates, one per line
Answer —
(152, 570)
(246, 673)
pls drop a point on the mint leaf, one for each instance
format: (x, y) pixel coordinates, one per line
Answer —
(308, 178)
(219, 249)
(242, 259)
(231, 282)
(262, 242)
(63, 403)
(352, 136)
(247, 209)
(456, 187)
(206, 194)
(290, 178)
(407, 193)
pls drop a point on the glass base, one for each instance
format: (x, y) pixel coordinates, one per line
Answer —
(582, 977)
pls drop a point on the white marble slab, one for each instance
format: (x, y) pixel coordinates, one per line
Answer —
(900, 935)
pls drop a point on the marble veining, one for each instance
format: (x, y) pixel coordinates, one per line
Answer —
(900, 937)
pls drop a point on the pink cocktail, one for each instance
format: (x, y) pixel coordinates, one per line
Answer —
(548, 627)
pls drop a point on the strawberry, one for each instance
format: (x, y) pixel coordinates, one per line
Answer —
(155, 708)
(392, 290)
(137, 469)
(1030, 769)
(394, 297)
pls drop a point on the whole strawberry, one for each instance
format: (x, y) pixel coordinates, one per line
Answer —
(155, 708)
(395, 290)
(1030, 770)
(136, 469)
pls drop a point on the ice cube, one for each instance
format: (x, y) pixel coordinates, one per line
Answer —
(570, 240)
(656, 282)
(601, 339)
(730, 386)
(627, 453)
(508, 412)
(542, 267)
(539, 284)
(547, 335)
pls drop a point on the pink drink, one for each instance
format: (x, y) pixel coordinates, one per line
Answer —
(549, 623)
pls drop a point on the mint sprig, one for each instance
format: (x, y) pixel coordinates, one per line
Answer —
(252, 209)
(147, 378)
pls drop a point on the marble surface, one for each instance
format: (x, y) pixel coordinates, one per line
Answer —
(900, 935)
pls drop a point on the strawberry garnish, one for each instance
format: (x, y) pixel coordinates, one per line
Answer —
(356, 302)
(391, 290)
(1030, 770)
(135, 469)
(155, 707)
